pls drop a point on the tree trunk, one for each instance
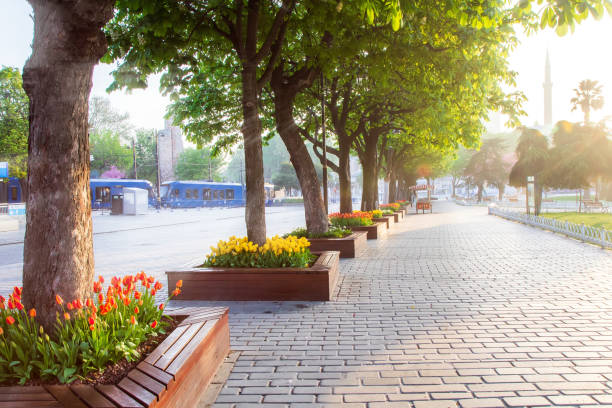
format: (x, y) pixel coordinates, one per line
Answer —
(58, 247)
(392, 187)
(369, 197)
(537, 199)
(500, 192)
(480, 193)
(314, 208)
(344, 175)
(255, 212)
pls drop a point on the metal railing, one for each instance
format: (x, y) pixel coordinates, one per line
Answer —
(586, 233)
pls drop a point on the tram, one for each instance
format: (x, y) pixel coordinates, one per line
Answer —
(103, 189)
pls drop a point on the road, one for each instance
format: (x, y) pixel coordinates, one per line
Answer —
(153, 242)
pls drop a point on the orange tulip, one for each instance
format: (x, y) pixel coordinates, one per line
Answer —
(69, 306)
(151, 279)
(158, 285)
(18, 305)
(89, 302)
(176, 292)
(137, 295)
(136, 310)
(154, 324)
(100, 279)
(92, 327)
(153, 292)
(32, 312)
(1, 331)
(179, 284)
(2, 299)
(133, 320)
(126, 301)
(58, 299)
(100, 298)
(91, 320)
(67, 316)
(161, 307)
(10, 319)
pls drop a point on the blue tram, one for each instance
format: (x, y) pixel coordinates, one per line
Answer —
(103, 189)
(189, 194)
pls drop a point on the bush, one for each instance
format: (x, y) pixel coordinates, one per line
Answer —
(356, 218)
(89, 335)
(333, 232)
(297, 200)
(277, 252)
(388, 212)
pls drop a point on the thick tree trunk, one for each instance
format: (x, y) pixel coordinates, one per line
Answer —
(392, 187)
(58, 247)
(255, 212)
(480, 187)
(537, 199)
(314, 208)
(346, 199)
(369, 196)
(500, 192)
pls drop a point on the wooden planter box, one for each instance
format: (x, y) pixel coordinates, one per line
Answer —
(349, 247)
(375, 231)
(314, 283)
(400, 214)
(383, 219)
(175, 374)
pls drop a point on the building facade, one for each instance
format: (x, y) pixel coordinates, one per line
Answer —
(169, 148)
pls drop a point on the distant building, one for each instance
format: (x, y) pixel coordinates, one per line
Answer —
(169, 148)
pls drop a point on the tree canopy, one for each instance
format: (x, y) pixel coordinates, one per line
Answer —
(13, 121)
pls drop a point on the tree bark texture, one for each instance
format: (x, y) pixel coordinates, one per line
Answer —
(255, 212)
(58, 248)
(369, 196)
(344, 176)
(392, 187)
(285, 90)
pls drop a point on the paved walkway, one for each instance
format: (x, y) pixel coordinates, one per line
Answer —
(455, 308)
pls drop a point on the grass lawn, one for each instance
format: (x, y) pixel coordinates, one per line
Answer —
(594, 219)
(564, 198)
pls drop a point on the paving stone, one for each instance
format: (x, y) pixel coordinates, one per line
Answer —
(455, 304)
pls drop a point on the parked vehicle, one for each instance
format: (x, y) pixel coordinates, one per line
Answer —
(191, 194)
(102, 191)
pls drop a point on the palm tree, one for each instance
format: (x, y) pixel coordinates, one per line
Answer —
(588, 96)
(532, 153)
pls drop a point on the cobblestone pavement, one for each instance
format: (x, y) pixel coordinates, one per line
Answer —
(455, 308)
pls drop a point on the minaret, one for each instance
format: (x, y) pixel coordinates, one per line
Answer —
(547, 93)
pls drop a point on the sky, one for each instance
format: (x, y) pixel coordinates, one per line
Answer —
(585, 54)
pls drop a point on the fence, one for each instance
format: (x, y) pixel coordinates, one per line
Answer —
(598, 236)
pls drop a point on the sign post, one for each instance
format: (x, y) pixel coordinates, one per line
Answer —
(530, 194)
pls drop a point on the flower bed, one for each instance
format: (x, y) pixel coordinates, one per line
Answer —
(315, 282)
(176, 373)
(333, 232)
(90, 334)
(356, 218)
(384, 219)
(375, 231)
(390, 206)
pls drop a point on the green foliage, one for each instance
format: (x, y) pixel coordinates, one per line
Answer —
(14, 125)
(588, 96)
(89, 334)
(487, 165)
(286, 177)
(107, 151)
(195, 164)
(145, 144)
(333, 232)
(533, 157)
(580, 154)
(103, 118)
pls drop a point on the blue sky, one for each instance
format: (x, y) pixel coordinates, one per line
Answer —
(585, 54)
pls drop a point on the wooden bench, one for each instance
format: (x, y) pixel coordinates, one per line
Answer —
(590, 205)
(175, 374)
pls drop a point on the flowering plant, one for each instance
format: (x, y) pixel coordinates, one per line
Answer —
(356, 218)
(89, 333)
(333, 232)
(377, 214)
(277, 252)
(391, 206)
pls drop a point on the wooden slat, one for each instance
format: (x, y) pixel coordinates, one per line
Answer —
(169, 355)
(42, 396)
(138, 392)
(202, 318)
(119, 397)
(91, 397)
(65, 396)
(19, 389)
(147, 382)
(165, 345)
(155, 373)
(29, 404)
(189, 348)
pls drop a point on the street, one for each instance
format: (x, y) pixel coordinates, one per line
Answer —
(153, 242)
